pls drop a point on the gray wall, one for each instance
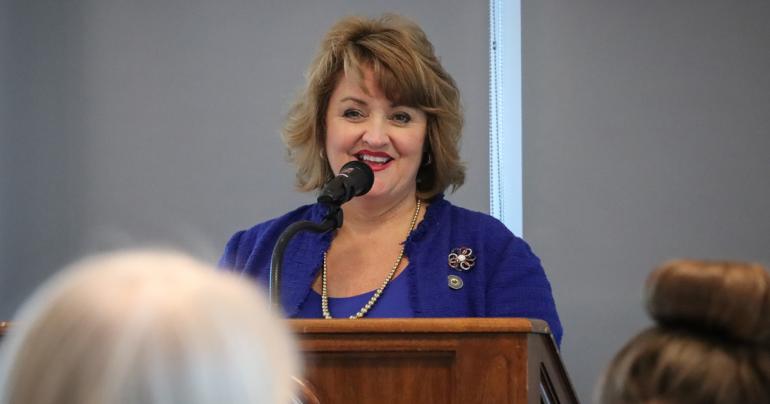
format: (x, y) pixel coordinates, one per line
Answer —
(42, 183)
(646, 137)
(645, 130)
(146, 122)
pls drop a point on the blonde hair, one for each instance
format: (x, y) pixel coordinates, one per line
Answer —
(711, 343)
(146, 327)
(408, 72)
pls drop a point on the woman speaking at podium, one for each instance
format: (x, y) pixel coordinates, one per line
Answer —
(376, 93)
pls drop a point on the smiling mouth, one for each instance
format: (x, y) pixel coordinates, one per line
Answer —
(368, 158)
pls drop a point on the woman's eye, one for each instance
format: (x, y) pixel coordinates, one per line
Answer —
(401, 117)
(352, 114)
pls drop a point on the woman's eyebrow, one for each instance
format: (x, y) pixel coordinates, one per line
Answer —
(363, 103)
(356, 100)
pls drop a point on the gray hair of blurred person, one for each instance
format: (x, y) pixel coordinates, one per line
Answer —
(146, 327)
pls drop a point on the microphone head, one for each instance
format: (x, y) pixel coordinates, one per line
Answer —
(361, 176)
(355, 179)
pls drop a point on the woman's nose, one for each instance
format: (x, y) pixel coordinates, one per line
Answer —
(376, 133)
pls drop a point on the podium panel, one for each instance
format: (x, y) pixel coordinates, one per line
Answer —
(446, 361)
(467, 360)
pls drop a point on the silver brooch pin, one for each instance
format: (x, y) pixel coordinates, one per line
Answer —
(462, 258)
(455, 282)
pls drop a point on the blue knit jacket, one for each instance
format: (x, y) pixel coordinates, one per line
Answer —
(506, 280)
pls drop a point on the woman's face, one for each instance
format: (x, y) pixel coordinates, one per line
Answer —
(370, 128)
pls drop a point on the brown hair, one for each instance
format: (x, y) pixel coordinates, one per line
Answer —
(409, 73)
(711, 343)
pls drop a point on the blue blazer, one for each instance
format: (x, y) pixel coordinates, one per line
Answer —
(506, 279)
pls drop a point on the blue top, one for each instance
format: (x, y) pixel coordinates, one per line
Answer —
(506, 279)
(393, 303)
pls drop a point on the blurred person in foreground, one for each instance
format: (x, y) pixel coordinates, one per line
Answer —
(710, 344)
(146, 327)
(377, 93)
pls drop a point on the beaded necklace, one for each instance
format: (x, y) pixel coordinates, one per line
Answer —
(368, 306)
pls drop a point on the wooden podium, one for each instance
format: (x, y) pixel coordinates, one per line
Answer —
(452, 360)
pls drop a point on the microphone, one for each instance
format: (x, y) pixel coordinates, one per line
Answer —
(355, 179)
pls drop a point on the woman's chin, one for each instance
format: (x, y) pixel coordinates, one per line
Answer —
(381, 193)
(373, 195)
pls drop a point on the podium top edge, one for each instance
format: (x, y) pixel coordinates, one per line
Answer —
(419, 325)
(406, 325)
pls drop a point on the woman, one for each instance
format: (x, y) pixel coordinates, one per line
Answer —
(711, 343)
(146, 327)
(377, 93)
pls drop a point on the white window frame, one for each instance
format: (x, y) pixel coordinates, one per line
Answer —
(505, 115)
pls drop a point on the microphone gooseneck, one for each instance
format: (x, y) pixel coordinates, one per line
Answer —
(355, 179)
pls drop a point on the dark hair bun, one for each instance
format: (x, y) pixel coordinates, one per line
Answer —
(730, 299)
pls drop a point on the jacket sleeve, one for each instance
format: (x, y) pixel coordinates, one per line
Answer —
(518, 287)
(229, 257)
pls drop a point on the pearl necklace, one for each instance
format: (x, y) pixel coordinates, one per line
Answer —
(325, 293)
